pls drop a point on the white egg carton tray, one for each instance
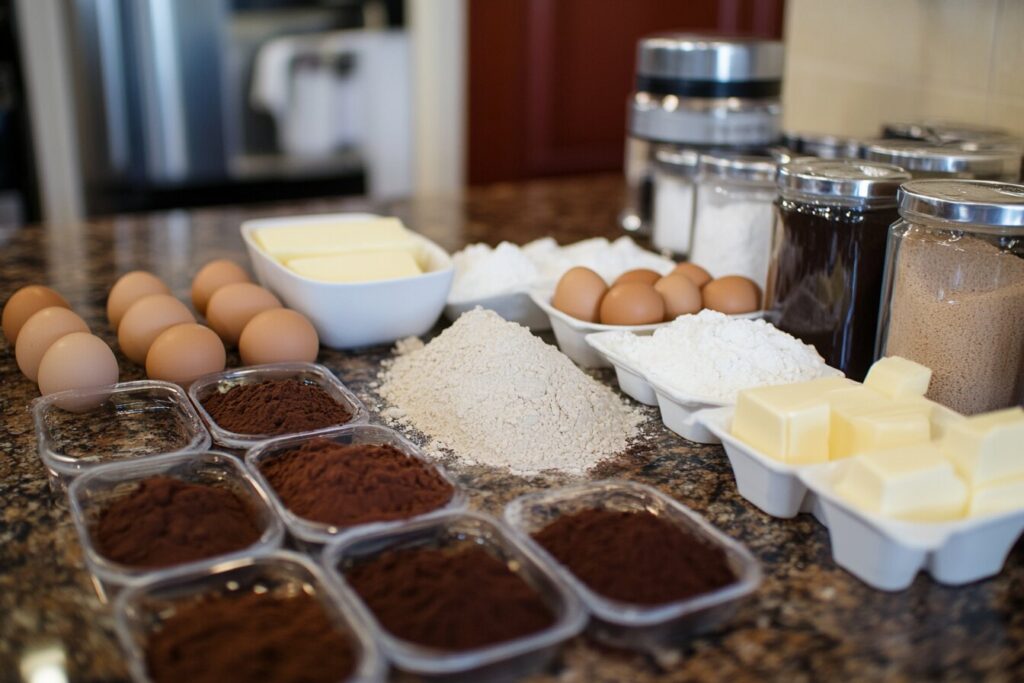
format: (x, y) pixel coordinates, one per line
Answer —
(884, 553)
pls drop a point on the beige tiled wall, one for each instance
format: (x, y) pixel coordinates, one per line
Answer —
(852, 64)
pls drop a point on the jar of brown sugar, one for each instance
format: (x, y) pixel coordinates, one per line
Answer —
(953, 298)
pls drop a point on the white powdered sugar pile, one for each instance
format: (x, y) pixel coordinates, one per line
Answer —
(710, 355)
(494, 394)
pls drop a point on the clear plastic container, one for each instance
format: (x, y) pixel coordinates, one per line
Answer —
(651, 629)
(130, 420)
(313, 534)
(953, 292)
(309, 373)
(503, 661)
(141, 609)
(94, 492)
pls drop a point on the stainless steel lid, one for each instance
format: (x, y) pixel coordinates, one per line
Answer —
(691, 65)
(823, 146)
(747, 168)
(941, 131)
(977, 202)
(676, 160)
(991, 163)
(841, 178)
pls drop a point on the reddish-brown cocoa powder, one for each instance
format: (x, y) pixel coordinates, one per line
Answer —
(348, 484)
(167, 521)
(250, 637)
(276, 406)
(635, 557)
(449, 599)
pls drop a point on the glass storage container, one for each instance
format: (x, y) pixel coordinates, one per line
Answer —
(675, 172)
(825, 276)
(955, 159)
(822, 146)
(953, 296)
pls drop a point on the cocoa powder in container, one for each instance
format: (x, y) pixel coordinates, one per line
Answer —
(635, 557)
(276, 406)
(348, 484)
(250, 637)
(167, 521)
(453, 598)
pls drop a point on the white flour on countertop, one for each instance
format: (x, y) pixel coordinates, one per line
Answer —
(710, 355)
(494, 394)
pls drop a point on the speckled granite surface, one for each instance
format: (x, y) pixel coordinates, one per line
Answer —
(809, 621)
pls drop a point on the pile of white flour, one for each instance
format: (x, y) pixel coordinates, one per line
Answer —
(710, 355)
(494, 394)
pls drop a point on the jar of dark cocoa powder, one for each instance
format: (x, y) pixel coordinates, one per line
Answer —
(825, 274)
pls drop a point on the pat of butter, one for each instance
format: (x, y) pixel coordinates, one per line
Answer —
(789, 422)
(1001, 496)
(988, 447)
(911, 482)
(334, 237)
(358, 266)
(898, 377)
(864, 420)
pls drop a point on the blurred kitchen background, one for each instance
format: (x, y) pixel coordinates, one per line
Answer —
(111, 106)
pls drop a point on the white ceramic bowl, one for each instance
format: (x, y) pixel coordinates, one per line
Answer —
(350, 315)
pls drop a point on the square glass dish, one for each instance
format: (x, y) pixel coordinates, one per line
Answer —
(313, 533)
(142, 609)
(647, 628)
(506, 660)
(128, 421)
(307, 373)
(92, 493)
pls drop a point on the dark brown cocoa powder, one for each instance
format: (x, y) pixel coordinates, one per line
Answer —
(277, 406)
(348, 484)
(635, 557)
(449, 599)
(167, 521)
(250, 637)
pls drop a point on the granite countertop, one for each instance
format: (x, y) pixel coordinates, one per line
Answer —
(810, 620)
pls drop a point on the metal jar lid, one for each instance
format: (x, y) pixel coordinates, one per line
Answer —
(746, 168)
(679, 161)
(980, 203)
(822, 146)
(965, 160)
(690, 65)
(941, 131)
(841, 179)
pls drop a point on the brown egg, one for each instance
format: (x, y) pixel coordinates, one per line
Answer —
(697, 275)
(681, 295)
(234, 305)
(632, 303)
(128, 289)
(23, 304)
(644, 275)
(279, 335)
(212, 277)
(732, 294)
(145, 320)
(184, 352)
(40, 332)
(77, 361)
(579, 293)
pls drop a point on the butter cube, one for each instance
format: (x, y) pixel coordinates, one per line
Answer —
(334, 237)
(1001, 496)
(864, 420)
(366, 266)
(987, 448)
(789, 422)
(911, 482)
(942, 419)
(898, 377)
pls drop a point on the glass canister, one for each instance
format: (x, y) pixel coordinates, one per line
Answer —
(953, 297)
(947, 160)
(821, 145)
(675, 173)
(825, 277)
(732, 219)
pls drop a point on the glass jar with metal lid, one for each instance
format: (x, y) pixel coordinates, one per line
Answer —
(821, 145)
(698, 92)
(732, 218)
(825, 276)
(675, 172)
(949, 160)
(953, 296)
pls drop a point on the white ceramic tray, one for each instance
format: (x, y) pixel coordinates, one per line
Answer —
(516, 307)
(888, 553)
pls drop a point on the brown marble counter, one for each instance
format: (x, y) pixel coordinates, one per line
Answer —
(810, 620)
